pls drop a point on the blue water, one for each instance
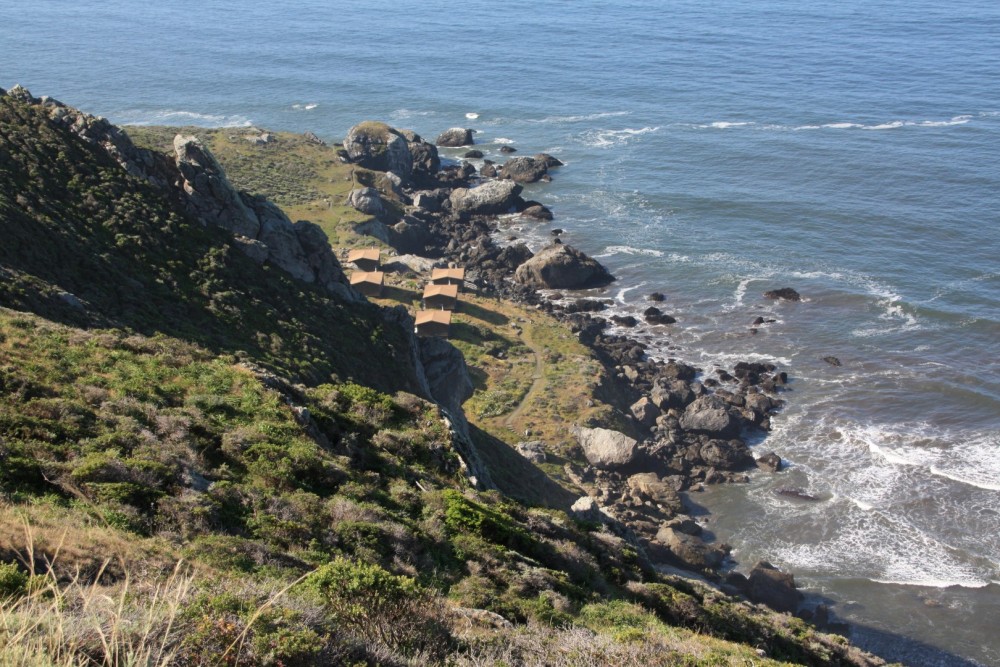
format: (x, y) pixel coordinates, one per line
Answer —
(850, 150)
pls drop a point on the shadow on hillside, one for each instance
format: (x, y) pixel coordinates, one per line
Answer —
(517, 477)
(400, 295)
(480, 313)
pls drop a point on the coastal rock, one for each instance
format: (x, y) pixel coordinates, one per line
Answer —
(770, 462)
(625, 320)
(548, 160)
(708, 415)
(833, 361)
(644, 411)
(321, 260)
(654, 315)
(660, 492)
(366, 200)
(537, 212)
(786, 293)
(474, 154)
(657, 297)
(507, 149)
(533, 450)
(668, 394)
(730, 454)
(375, 145)
(560, 266)
(252, 248)
(424, 158)
(605, 448)
(488, 171)
(768, 585)
(490, 198)
(454, 137)
(691, 549)
(523, 170)
(586, 509)
(210, 196)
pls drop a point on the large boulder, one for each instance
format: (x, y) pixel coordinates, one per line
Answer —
(548, 160)
(726, 454)
(605, 448)
(561, 266)
(660, 492)
(490, 198)
(690, 549)
(424, 155)
(768, 585)
(366, 200)
(523, 169)
(454, 137)
(708, 415)
(375, 145)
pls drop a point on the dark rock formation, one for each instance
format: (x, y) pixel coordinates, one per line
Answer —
(770, 462)
(473, 154)
(768, 585)
(833, 361)
(537, 212)
(560, 266)
(786, 293)
(523, 170)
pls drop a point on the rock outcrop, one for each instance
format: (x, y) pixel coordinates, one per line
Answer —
(454, 137)
(559, 266)
(605, 448)
(768, 585)
(523, 170)
(375, 145)
(489, 198)
(786, 293)
(367, 201)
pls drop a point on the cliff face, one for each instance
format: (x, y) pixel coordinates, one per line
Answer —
(100, 232)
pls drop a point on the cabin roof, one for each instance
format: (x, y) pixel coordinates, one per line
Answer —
(455, 274)
(438, 316)
(373, 277)
(364, 254)
(441, 290)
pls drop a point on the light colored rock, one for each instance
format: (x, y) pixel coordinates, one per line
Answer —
(586, 509)
(533, 450)
(490, 198)
(645, 412)
(605, 448)
(523, 169)
(366, 200)
(660, 492)
(210, 196)
(375, 145)
(560, 266)
(690, 549)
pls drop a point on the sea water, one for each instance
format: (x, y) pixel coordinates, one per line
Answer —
(713, 151)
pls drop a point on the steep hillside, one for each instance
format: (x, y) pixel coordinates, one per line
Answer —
(210, 455)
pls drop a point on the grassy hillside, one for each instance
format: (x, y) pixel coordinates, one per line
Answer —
(205, 462)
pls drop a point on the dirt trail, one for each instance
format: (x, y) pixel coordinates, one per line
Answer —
(537, 384)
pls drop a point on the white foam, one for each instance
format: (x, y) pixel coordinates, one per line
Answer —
(580, 118)
(837, 125)
(502, 140)
(611, 138)
(310, 107)
(629, 250)
(402, 114)
(472, 115)
(965, 457)
(173, 117)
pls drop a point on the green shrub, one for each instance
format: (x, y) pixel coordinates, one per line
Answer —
(380, 607)
(13, 581)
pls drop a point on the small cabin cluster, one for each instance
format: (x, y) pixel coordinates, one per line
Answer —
(440, 299)
(367, 279)
(438, 302)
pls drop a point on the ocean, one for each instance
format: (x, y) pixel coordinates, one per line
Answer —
(713, 151)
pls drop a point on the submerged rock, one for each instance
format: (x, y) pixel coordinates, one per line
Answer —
(786, 293)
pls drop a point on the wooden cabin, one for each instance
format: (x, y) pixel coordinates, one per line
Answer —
(448, 277)
(437, 297)
(368, 283)
(366, 259)
(432, 323)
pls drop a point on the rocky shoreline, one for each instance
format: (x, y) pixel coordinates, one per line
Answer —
(676, 430)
